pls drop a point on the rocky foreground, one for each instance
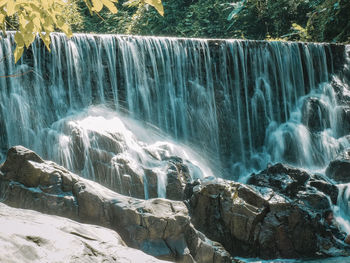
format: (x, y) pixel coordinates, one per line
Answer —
(278, 215)
(29, 236)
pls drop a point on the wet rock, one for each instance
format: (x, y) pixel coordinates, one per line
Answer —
(152, 183)
(339, 169)
(326, 188)
(344, 121)
(178, 176)
(315, 114)
(257, 221)
(29, 236)
(281, 178)
(228, 213)
(145, 171)
(296, 183)
(158, 227)
(278, 216)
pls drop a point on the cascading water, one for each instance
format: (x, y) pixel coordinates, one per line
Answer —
(241, 104)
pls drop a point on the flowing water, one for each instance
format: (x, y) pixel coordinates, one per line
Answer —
(98, 100)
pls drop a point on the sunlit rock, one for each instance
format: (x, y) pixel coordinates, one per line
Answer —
(29, 236)
(105, 147)
(158, 227)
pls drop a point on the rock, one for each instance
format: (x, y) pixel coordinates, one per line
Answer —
(178, 176)
(228, 213)
(281, 178)
(29, 236)
(327, 188)
(278, 216)
(116, 159)
(344, 122)
(259, 222)
(296, 183)
(158, 227)
(339, 169)
(315, 114)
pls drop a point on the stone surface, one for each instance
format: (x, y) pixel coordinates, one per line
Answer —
(29, 236)
(315, 114)
(297, 184)
(159, 227)
(178, 176)
(339, 169)
(116, 159)
(278, 216)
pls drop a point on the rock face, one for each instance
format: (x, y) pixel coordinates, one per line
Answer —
(116, 159)
(315, 115)
(159, 227)
(339, 169)
(310, 190)
(277, 217)
(29, 236)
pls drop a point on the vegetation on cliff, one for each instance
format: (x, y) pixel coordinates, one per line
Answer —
(304, 20)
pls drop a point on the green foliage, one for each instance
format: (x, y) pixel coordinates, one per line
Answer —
(304, 20)
(261, 19)
(330, 21)
(188, 18)
(299, 20)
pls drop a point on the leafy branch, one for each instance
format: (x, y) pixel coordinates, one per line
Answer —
(42, 17)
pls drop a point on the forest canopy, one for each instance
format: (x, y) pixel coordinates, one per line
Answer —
(303, 20)
(300, 20)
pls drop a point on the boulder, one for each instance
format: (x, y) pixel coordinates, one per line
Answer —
(315, 114)
(158, 227)
(343, 128)
(258, 222)
(178, 176)
(277, 216)
(29, 236)
(297, 184)
(339, 169)
(124, 164)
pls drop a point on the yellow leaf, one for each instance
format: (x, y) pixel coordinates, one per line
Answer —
(67, 30)
(3, 2)
(46, 39)
(37, 22)
(28, 38)
(157, 4)
(11, 8)
(18, 52)
(109, 4)
(19, 39)
(2, 18)
(97, 5)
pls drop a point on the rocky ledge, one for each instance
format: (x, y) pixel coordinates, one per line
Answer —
(278, 215)
(159, 227)
(339, 168)
(29, 236)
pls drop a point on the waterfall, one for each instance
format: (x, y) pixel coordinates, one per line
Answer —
(236, 104)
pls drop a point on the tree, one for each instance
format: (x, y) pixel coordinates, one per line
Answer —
(41, 17)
